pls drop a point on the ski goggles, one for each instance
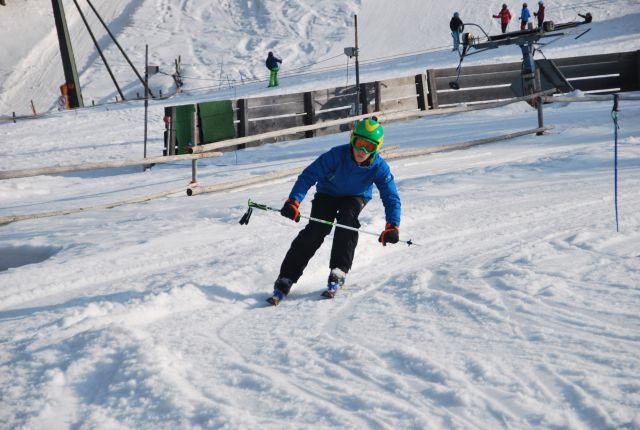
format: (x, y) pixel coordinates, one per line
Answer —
(364, 145)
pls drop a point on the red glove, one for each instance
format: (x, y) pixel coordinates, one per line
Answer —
(291, 210)
(390, 234)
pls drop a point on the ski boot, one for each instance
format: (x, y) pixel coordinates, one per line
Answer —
(281, 288)
(335, 281)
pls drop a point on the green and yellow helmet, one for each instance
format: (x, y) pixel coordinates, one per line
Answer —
(369, 130)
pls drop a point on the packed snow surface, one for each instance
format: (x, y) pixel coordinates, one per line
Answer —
(516, 308)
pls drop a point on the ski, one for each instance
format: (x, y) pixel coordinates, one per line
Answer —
(328, 294)
(276, 298)
(273, 300)
(331, 291)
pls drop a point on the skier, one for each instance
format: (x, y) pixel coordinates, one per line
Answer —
(540, 13)
(505, 17)
(524, 17)
(343, 177)
(457, 26)
(272, 65)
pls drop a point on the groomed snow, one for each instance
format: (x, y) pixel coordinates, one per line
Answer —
(517, 307)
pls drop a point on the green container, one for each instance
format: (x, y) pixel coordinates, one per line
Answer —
(216, 121)
(184, 127)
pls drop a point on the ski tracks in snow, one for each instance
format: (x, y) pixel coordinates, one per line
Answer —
(516, 297)
(479, 295)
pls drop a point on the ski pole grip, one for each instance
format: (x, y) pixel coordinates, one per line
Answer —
(261, 206)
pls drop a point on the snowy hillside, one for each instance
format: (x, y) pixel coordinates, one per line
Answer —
(517, 308)
(224, 43)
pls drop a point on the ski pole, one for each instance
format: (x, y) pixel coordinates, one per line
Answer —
(614, 116)
(252, 204)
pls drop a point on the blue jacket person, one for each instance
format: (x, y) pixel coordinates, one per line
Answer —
(344, 178)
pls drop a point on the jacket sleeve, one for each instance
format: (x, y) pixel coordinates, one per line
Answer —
(389, 195)
(311, 175)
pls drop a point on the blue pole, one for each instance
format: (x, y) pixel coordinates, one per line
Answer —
(614, 115)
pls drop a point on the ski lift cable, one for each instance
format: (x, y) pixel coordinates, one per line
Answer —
(324, 69)
(335, 68)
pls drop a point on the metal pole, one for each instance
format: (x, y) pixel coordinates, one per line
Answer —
(66, 53)
(116, 42)
(528, 71)
(95, 42)
(357, 70)
(146, 100)
(614, 115)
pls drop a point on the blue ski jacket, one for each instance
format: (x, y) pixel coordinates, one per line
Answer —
(525, 15)
(337, 174)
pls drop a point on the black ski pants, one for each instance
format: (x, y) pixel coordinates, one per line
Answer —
(344, 210)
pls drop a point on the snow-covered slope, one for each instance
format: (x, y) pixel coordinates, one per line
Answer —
(517, 307)
(225, 43)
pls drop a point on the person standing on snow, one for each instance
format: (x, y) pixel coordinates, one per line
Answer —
(505, 17)
(343, 177)
(456, 25)
(540, 13)
(524, 16)
(272, 65)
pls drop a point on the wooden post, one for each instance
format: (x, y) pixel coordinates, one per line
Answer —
(364, 97)
(195, 141)
(378, 95)
(421, 88)
(432, 97)
(172, 131)
(243, 120)
(540, 116)
(637, 70)
(167, 131)
(310, 113)
(538, 102)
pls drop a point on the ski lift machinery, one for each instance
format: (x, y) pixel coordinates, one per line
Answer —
(527, 40)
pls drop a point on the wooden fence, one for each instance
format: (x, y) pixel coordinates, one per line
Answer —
(607, 73)
(604, 73)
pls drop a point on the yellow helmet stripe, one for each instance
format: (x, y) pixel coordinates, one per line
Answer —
(371, 126)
